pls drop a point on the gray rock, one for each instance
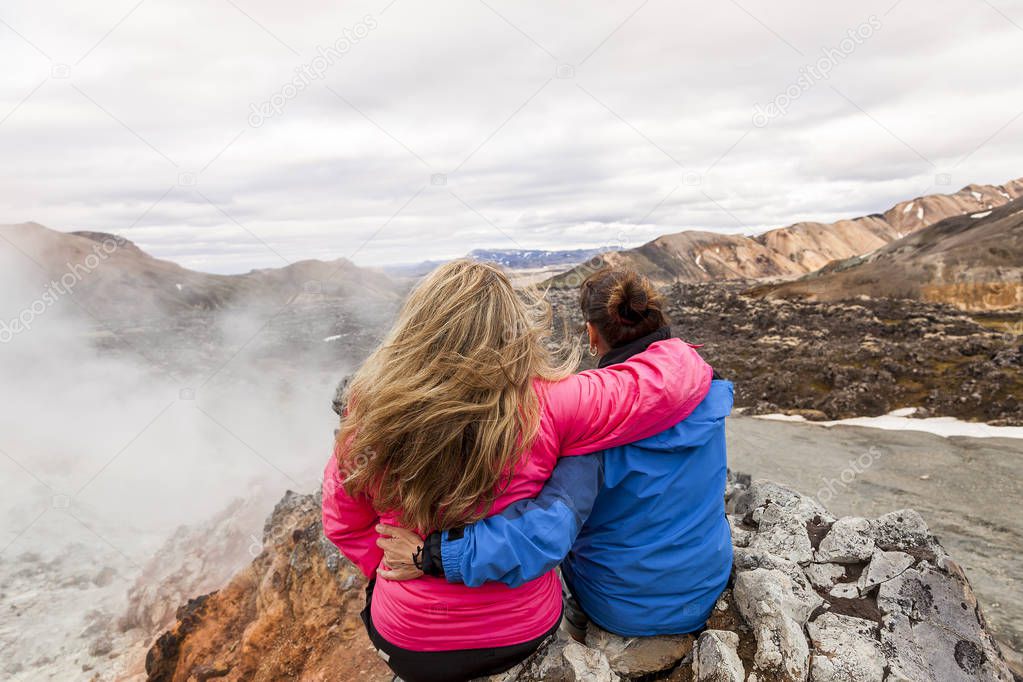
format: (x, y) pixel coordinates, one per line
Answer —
(560, 660)
(845, 649)
(904, 530)
(932, 628)
(850, 540)
(884, 566)
(824, 576)
(587, 665)
(776, 609)
(632, 656)
(740, 536)
(761, 492)
(782, 533)
(845, 591)
(716, 658)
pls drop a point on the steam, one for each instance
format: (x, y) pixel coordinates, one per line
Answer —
(113, 435)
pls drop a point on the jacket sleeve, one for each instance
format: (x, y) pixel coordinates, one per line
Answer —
(350, 522)
(629, 401)
(529, 537)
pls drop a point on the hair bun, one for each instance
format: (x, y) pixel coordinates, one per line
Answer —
(628, 301)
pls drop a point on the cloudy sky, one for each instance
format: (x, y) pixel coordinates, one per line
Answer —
(231, 134)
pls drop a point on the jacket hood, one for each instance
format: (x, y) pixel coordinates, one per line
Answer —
(698, 427)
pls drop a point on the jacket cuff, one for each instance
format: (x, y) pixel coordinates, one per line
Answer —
(432, 558)
(452, 546)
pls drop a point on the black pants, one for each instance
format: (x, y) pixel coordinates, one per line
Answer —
(448, 666)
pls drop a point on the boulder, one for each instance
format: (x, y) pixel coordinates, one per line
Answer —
(932, 628)
(845, 649)
(632, 656)
(776, 611)
(782, 533)
(849, 541)
(562, 659)
(716, 658)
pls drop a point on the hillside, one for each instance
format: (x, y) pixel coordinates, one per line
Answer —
(115, 280)
(695, 256)
(973, 261)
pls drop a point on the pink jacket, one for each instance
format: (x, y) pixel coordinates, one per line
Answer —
(584, 413)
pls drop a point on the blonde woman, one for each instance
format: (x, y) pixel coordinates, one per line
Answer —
(460, 412)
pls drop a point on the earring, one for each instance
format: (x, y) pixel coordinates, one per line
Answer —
(593, 351)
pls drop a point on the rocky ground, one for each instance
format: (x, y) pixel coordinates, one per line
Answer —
(861, 358)
(291, 614)
(812, 597)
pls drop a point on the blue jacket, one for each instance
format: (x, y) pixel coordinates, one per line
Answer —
(639, 530)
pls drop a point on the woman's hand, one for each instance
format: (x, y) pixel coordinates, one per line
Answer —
(400, 546)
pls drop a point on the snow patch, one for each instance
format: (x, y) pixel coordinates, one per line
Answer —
(899, 420)
(909, 207)
(983, 214)
(178, 285)
(332, 338)
(920, 213)
(699, 262)
(977, 195)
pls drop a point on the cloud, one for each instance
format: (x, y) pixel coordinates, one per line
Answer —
(437, 129)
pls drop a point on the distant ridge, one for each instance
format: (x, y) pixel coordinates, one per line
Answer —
(512, 259)
(801, 248)
(973, 261)
(114, 278)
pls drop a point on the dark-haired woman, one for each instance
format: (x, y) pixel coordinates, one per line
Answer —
(639, 530)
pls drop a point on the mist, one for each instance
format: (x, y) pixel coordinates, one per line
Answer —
(114, 434)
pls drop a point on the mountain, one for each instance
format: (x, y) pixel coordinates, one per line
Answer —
(517, 259)
(972, 261)
(512, 259)
(695, 256)
(114, 278)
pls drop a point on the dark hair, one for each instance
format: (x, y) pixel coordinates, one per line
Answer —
(622, 305)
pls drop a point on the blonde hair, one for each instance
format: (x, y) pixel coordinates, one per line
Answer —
(445, 406)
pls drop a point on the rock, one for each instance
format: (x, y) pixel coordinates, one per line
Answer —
(932, 628)
(101, 646)
(850, 540)
(716, 658)
(292, 613)
(824, 576)
(561, 659)
(845, 591)
(884, 566)
(905, 530)
(631, 656)
(845, 650)
(782, 533)
(776, 611)
(587, 664)
(740, 535)
(903, 611)
(229, 540)
(761, 493)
